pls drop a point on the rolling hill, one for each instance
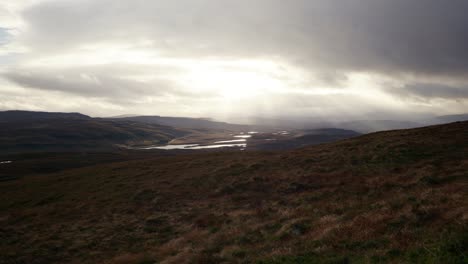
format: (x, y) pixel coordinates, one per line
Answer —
(23, 131)
(186, 122)
(452, 118)
(26, 131)
(299, 138)
(28, 116)
(389, 197)
(368, 126)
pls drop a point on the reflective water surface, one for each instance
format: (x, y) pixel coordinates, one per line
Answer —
(240, 141)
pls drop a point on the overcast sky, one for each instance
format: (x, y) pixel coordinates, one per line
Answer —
(230, 59)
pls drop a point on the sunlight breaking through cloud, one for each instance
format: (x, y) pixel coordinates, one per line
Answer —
(217, 59)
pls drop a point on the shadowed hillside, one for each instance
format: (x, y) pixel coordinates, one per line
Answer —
(185, 122)
(388, 197)
(28, 116)
(452, 118)
(302, 138)
(26, 131)
(23, 131)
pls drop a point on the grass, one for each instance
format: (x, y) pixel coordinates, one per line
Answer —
(390, 197)
(85, 134)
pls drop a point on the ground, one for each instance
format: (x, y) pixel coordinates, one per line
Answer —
(396, 197)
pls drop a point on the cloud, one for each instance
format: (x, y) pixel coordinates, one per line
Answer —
(428, 91)
(418, 36)
(124, 51)
(98, 82)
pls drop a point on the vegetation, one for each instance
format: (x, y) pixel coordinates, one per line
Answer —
(388, 197)
(22, 131)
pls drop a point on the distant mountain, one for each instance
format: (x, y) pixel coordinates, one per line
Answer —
(368, 126)
(304, 138)
(330, 131)
(123, 116)
(452, 118)
(292, 123)
(27, 116)
(362, 126)
(185, 122)
(22, 131)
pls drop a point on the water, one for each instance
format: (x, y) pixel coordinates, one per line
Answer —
(196, 146)
(281, 133)
(171, 147)
(221, 146)
(243, 136)
(239, 142)
(231, 141)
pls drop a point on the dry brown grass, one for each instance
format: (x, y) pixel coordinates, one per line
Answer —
(378, 196)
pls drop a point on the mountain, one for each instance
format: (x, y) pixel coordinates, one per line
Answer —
(39, 131)
(26, 131)
(368, 126)
(452, 118)
(186, 122)
(389, 197)
(27, 116)
(123, 116)
(298, 138)
(361, 126)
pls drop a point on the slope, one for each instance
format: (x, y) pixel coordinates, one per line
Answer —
(37, 131)
(388, 197)
(186, 122)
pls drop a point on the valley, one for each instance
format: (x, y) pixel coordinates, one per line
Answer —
(23, 131)
(388, 197)
(233, 132)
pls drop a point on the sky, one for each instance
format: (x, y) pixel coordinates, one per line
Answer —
(236, 60)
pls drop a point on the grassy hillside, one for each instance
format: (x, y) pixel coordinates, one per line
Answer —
(28, 116)
(298, 138)
(186, 122)
(389, 197)
(22, 131)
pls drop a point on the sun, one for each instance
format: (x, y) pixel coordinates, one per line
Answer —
(232, 84)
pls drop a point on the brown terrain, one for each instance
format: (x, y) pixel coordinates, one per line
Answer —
(388, 197)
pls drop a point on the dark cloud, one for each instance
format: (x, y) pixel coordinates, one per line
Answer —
(96, 83)
(418, 44)
(417, 36)
(427, 91)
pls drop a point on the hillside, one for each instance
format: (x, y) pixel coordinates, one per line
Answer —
(298, 138)
(367, 126)
(26, 131)
(361, 126)
(28, 116)
(22, 131)
(186, 122)
(452, 118)
(390, 197)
